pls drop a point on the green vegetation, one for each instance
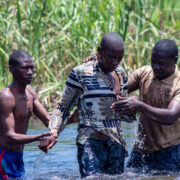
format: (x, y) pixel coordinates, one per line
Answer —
(59, 34)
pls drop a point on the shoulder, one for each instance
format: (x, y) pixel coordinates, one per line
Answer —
(143, 71)
(120, 70)
(121, 73)
(31, 91)
(6, 94)
(6, 99)
(85, 68)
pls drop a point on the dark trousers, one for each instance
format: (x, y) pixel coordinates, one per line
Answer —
(164, 160)
(100, 156)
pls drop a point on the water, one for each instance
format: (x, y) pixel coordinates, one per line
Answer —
(61, 163)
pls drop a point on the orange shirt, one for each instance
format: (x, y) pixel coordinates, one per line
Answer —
(153, 136)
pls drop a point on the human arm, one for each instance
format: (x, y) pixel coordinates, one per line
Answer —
(134, 79)
(47, 143)
(163, 116)
(38, 109)
(13, 132)
(60, 115)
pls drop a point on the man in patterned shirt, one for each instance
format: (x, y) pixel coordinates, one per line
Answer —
(157, 146)
(94, 86)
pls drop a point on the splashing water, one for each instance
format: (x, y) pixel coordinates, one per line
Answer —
(61, 162)
(38, 161)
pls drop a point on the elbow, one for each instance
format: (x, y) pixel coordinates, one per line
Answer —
(170, 120)
(10, 138)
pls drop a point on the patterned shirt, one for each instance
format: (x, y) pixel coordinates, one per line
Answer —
(89, 89)
(153, 136)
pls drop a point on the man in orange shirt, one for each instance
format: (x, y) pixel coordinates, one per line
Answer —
(157, 146)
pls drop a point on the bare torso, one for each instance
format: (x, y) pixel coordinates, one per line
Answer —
(113, 79)
(22, 108)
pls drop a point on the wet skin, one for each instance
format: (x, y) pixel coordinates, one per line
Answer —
(162, 68)
(108, 62)
(18, 102)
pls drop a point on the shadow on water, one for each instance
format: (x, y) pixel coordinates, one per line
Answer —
(61, 163)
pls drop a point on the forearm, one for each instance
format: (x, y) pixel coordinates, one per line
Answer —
(69, 98)
(45, 120)
(58, 120)
(41, 113)
(162, 116)
(14, 138)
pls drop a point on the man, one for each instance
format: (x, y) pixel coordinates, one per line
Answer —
(157, 146)
(94, 86)
(17, 103)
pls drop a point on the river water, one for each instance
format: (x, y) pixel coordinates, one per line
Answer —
(61, 163)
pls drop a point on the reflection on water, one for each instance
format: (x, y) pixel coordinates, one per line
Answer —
(61, 163)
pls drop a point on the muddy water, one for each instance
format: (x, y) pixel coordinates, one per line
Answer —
(61, 162)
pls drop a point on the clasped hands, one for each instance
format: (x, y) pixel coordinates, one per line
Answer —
(124, 106)
(48, 142)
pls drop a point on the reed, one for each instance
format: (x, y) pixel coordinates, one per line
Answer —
(59, 34)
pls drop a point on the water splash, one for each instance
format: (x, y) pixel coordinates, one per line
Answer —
(37, 165)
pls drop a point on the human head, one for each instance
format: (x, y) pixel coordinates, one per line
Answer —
(21, 66)
(163, 58)
(111, 51)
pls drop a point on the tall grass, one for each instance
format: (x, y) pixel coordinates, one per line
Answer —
(59, 34)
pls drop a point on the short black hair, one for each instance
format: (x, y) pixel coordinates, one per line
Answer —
(165, 48)
(16, 56)
(111, 40)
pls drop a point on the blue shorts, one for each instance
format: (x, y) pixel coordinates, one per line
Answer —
(100, 156)
(165, 160)
(11, 164)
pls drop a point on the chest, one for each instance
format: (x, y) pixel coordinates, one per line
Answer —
(156, 93)
(101, 83)
(23, 108)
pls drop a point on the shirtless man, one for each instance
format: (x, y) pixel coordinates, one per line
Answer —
(17, 103)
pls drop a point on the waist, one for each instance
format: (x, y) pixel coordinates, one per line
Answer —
(12, 148)
(151, 148)
(10, 152)
(99, 135)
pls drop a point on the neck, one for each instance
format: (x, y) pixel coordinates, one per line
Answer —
(19, 88)
(102, 67)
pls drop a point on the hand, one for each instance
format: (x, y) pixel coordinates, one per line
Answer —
(90, 58)
(47, 143)
(45, 134)
(126, 105)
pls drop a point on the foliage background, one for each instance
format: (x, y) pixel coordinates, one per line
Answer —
(59, 34)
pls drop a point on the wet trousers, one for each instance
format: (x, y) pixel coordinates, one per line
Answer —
(100, 156)
(165, 160)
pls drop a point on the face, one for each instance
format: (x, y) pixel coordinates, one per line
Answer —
(162, 66)
(23, 72)
(110, 59)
